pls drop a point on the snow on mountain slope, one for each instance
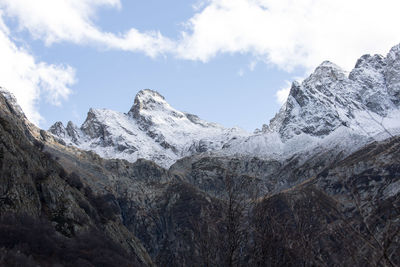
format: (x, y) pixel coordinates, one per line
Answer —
(152, 129)
(332, 108)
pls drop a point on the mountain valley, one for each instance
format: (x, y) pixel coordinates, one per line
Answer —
(318, 186)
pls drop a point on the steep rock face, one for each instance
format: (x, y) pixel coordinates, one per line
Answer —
(10, 104)
(348, 214)
(319, 90)
(73, 132)
(314, 210)
(152, 129)
(330, 98)
(369, 75)
(59, 130)
(333, 109)
(39, 201)
(392, 74)
(162, 211)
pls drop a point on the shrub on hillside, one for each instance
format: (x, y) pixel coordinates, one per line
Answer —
(74, 180)
(27, 241)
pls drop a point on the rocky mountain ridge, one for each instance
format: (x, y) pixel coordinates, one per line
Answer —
(331, 211)
(330, 108)
(48, 216)
(314, 197)
(152, 129)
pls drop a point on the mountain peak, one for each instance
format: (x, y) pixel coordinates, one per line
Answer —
(152, 129)
(147, 99)
(394, 51)
(331, 98)
(368, 61)
(147, 95)
(149, 92)
(330, 102)
(12, 102)
(328, 70)
(58, 129)
(392, 74)
(328, 64)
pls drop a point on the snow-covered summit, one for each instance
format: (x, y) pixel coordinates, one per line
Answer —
(152, 129)
(151, 108)
(148, 99)
(333, 108)
(330, 109)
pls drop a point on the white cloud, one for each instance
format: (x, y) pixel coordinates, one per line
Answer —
(291, 33)
(28, 79)
(72, 21)
(286, 33)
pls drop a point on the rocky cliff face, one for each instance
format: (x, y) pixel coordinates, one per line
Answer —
(47, 215)
(363, 100)
(319, 186)
(331, 110)
(348, 214)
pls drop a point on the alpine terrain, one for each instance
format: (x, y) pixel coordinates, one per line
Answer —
(318, 186)
(152, 129)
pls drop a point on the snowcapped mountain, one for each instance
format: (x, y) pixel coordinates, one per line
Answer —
(332, 108)
(152, 129)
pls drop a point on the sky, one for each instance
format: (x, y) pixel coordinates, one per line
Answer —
(227, 61)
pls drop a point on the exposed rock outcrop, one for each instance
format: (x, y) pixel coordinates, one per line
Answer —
(37, 190)
(319, 186)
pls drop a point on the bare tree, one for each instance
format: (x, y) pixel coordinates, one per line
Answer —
(390, 232)
(239, 196)
(224, 234)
